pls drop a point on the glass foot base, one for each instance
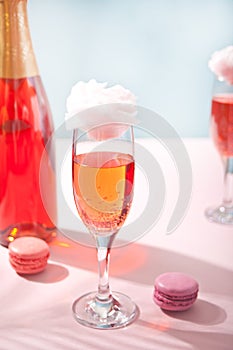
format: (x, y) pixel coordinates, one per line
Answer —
(118, 313)
(220, 215)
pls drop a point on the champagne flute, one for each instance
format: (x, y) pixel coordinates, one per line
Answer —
(222, 134)
(103, 177)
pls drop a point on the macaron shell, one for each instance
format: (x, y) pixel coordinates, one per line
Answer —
(176, 284)
(29, 247)
(173, 305)
(28, 268)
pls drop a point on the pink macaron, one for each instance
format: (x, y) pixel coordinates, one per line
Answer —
(175, 291)
(28, 255)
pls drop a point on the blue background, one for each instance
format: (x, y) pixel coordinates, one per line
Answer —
(159, 49)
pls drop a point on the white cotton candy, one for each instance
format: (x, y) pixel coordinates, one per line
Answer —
(93, 105)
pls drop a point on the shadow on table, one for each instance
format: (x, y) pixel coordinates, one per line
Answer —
(204, 340)
(202, 312)
(141, 264)
(52, 274)
(200, 340)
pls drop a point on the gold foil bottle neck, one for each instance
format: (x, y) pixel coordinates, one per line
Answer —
(17, 59)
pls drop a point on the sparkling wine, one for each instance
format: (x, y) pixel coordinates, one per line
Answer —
(222, 123)
(22, 142)
(103, 189)
(27, 174)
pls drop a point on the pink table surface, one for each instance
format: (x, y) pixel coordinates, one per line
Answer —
(35, 311)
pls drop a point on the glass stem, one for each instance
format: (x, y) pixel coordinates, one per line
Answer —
(228, 182)
(103, 245)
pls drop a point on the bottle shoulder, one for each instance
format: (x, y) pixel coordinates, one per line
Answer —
(24, 102)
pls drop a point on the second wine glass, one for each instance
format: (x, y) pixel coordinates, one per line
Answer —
(222, 134)
(103, 179)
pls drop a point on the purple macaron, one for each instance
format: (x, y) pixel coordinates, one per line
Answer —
(175, 291)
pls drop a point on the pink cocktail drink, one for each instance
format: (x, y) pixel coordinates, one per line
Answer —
(222, 123)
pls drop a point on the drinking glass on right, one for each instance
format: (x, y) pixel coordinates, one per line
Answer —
(222, 133)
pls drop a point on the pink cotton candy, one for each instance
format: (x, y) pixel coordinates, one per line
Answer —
(221, 63)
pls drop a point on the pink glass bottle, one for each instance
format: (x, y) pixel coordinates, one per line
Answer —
(27, 163)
